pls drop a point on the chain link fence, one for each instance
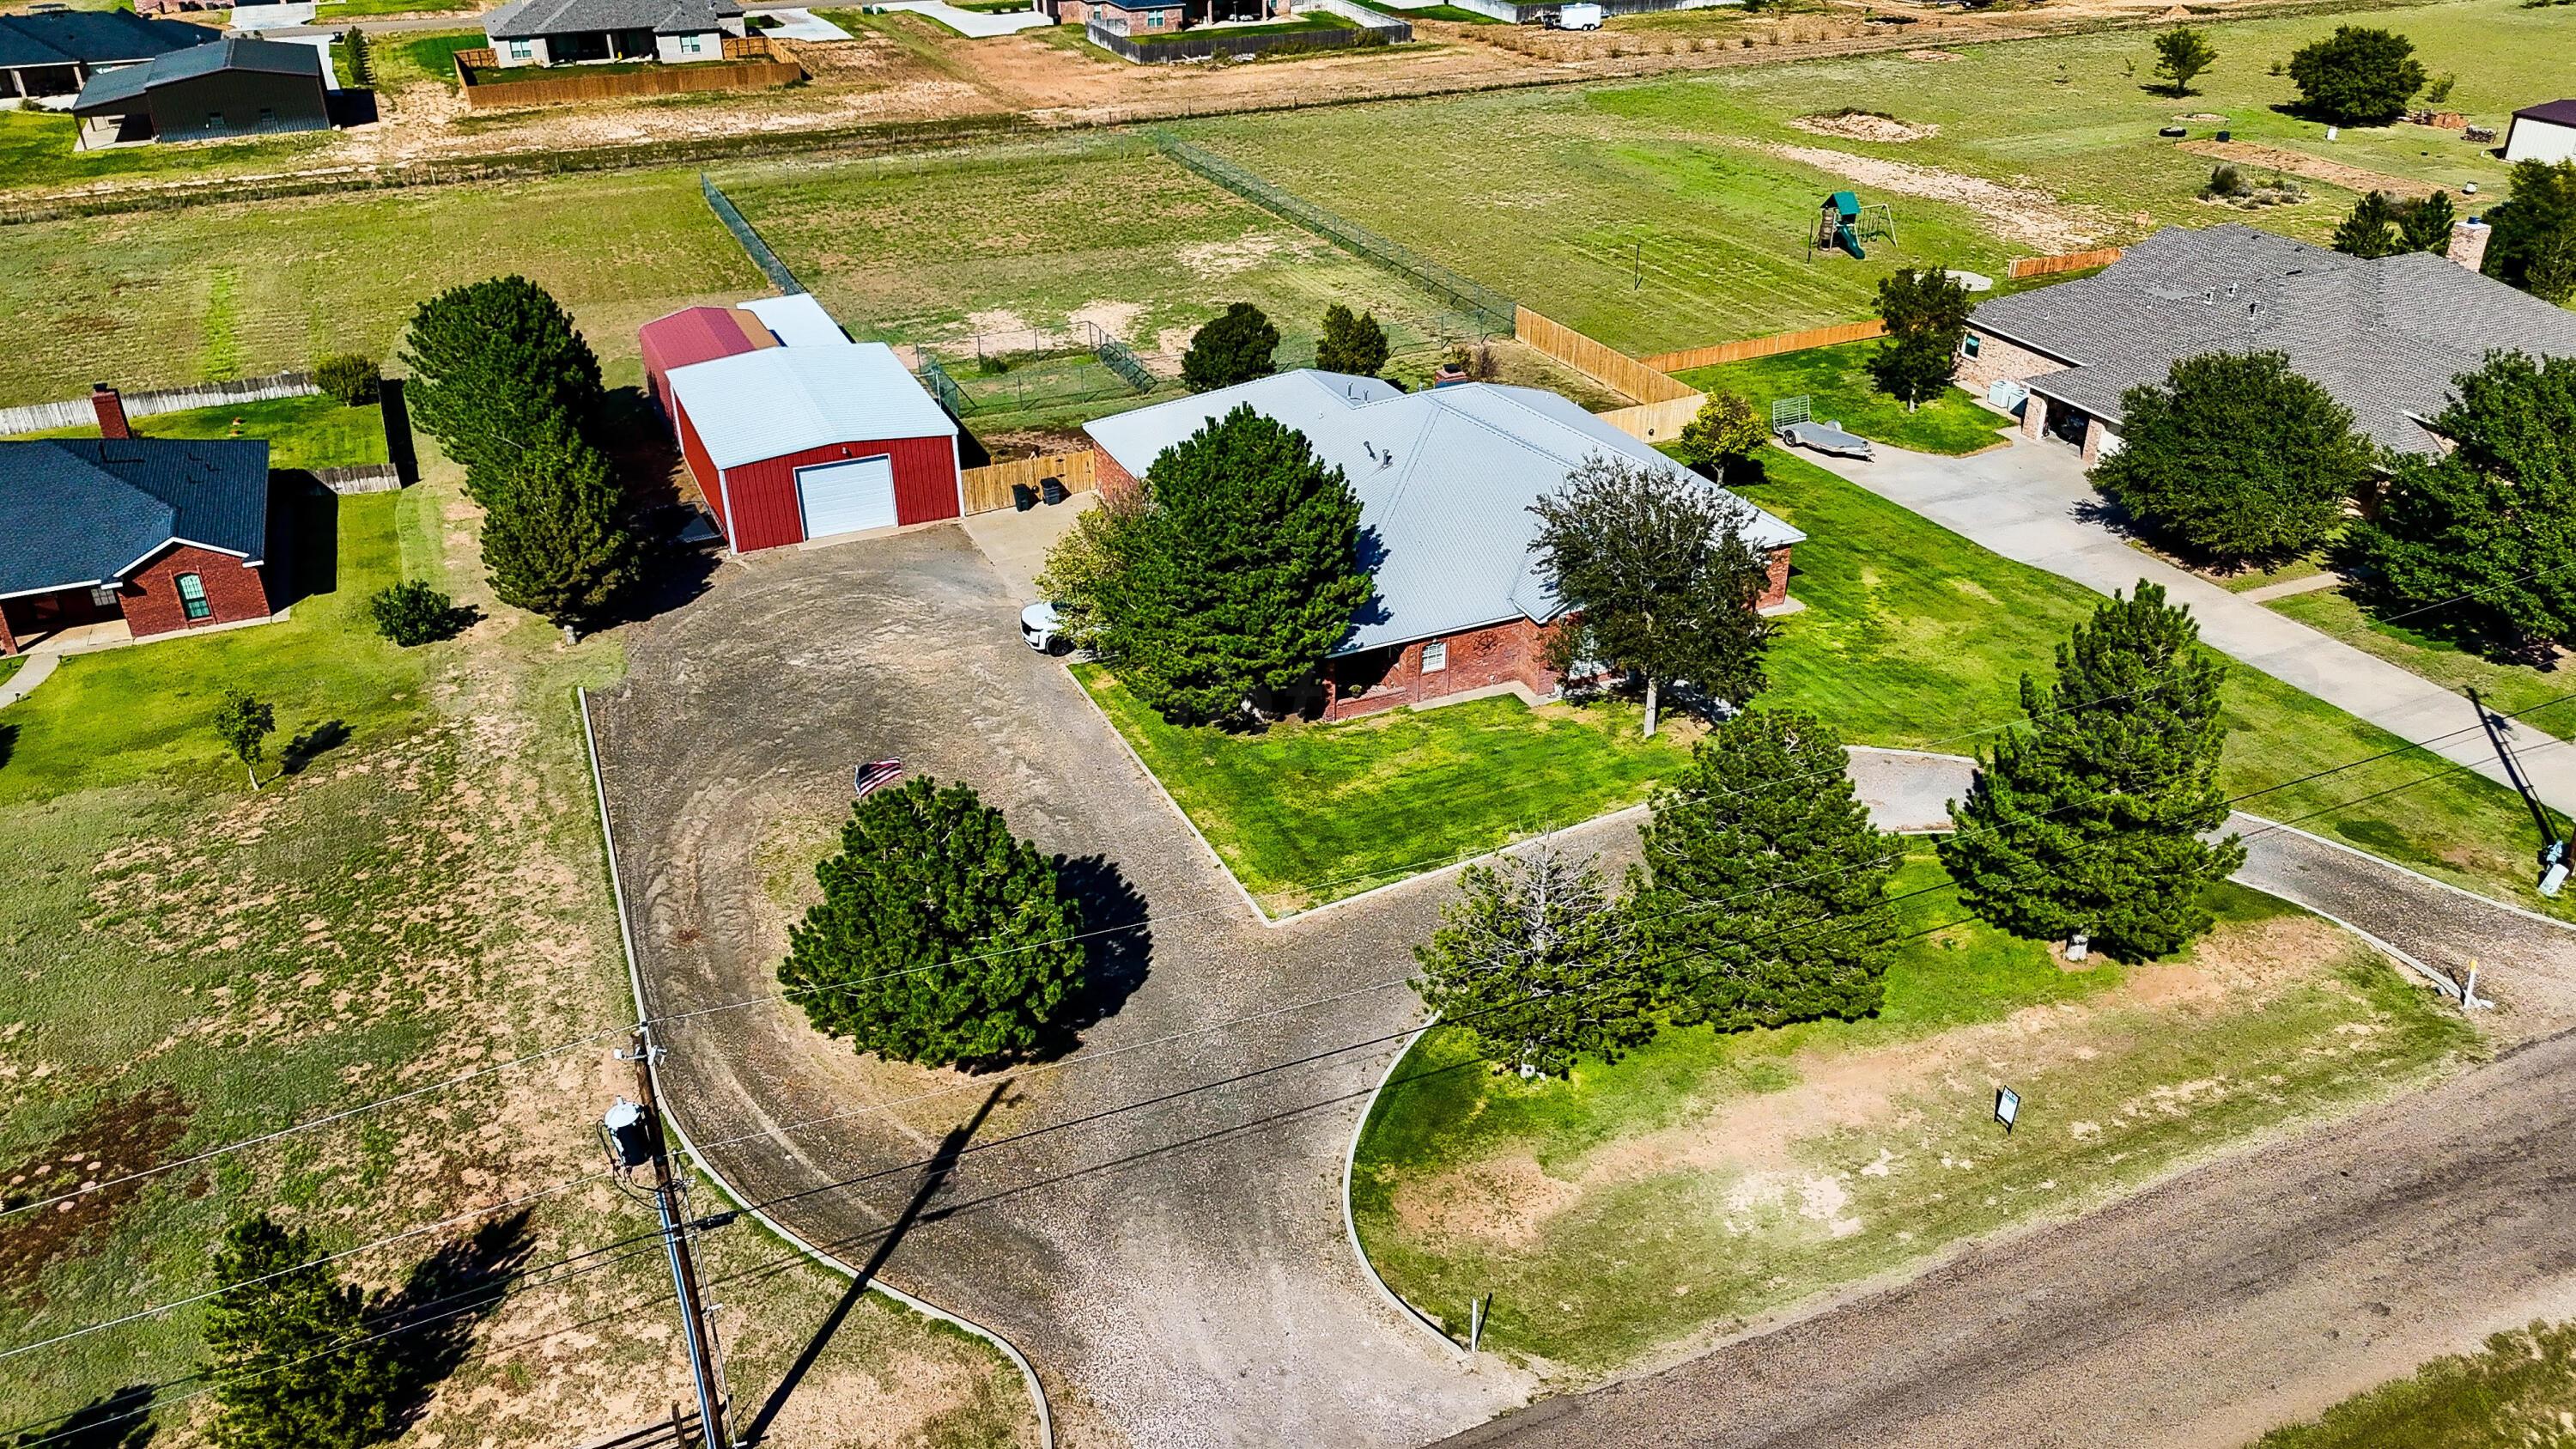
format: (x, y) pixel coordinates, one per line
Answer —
(758, 250)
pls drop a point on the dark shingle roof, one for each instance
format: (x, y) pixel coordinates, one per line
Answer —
(528, 19)
(232, 53)
(2561, 113)
(92, 37)
(84, 509)
(2385, 337)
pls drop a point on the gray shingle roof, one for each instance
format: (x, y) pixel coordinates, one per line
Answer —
(111, 88)
(529, 19)
(2385, 337)
(1445, 480)
(92, 37)
(85, 509)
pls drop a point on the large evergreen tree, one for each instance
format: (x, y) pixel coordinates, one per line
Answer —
(1237, 347)
(1657, 578)
(2425, 226)
(553, 538)
(1532, 960)
(2236, 457)
(2488, 529)
(2370, 229)
(291, 1365)
(941, 938)
(2091, 822)
(1926, 312)
(1238, 575)
(1352, 344)
(2358, 76)
(491, 364)
(2534, 243)
(1763, 894)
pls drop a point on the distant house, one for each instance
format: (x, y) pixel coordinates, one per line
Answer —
(574, 32)
(1142, 18)
(2384, 337)
(2546, 132)
(234, 87)
(1445, 480)
(160, 533)
(55, 52)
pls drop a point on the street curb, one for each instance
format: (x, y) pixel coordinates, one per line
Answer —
(644, 1012)
(1350, 1225)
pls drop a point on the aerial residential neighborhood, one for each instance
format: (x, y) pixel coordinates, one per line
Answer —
(1370, 723)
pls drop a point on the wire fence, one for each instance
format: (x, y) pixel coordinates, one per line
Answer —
(761, 256)
(1493, 310)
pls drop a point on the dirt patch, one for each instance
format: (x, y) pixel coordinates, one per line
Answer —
(2022, 214)
(2315, 168)
(1931, 55)
(1864, 126)
(1114, 318)
(115, 1139)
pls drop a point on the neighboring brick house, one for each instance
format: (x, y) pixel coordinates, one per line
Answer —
(1445, 480)
(53, 53)
(578, 32)
(165, 534)
(2385, 337)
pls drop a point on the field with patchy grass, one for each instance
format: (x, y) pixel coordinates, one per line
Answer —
(36, 150)
(1669, 213)
(420, 892)
(1709, 1178)
(302, 432)
(1836, 380)
(160, 298)
(2519, 1390)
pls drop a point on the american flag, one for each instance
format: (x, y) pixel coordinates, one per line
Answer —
(875, 775)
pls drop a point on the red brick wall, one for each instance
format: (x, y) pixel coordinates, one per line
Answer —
(1997, 359)
(1777, 591)
(151, 597)
(1496, 654)
(763, 494)
(1112, 480)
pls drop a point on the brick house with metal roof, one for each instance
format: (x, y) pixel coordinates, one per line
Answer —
(2384, 336)
(166, 534)
(1445, 479)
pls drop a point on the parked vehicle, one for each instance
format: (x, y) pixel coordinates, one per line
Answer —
(1576, 17)
(1038, 625)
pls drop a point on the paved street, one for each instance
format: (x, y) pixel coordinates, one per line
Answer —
(2030, 502)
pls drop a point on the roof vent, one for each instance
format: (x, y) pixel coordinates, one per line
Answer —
(2231, 289)
(2209, 294)
(1372, 447)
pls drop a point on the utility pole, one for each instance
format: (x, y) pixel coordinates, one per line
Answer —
(634, 1134)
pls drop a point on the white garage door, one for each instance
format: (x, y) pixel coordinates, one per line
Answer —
(846, 497)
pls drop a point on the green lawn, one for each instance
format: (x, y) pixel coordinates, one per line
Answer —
(302, 432)
(36, 153)
(11, 664)
(2508, 687)
(1837, 381)
(1450, 13)
(1707, 1177)
(424, 59)
(2519, 1390)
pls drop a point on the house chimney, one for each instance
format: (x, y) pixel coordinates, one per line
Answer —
(2469, 243)
(111, 411)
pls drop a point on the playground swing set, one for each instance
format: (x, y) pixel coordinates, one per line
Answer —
(1843, 223)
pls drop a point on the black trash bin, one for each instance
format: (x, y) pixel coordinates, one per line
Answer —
(2225, 135)
(1052, 489)
(1022, 498)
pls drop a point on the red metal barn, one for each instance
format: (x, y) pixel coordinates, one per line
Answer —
(796, 443)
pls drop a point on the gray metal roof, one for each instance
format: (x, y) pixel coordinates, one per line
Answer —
(82, 510)
(1445, 479)
(779, 400)
(111, 88)
(92, 37)
(2385, 337)
(530, 19)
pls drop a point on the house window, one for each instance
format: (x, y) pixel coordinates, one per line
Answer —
(520, 50)
(104, 596)
(1435, 657)
(192, 597)
(1154, 20)
(693, 45)
(1968, 345)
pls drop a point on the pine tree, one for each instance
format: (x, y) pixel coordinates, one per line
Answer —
(492, 364)
(2091, 823)
(1532, 961)
(2425, 226)
(941, 937)
(552, 536)
(2370, 231)
(1355, 345)
(2236, 458)
(289, 1366)
(1763, 892)
(1926, 313)
(1237, 347)
(2534, 243)
(1239, 576)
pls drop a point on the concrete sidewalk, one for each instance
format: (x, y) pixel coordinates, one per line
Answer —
(2030, 502)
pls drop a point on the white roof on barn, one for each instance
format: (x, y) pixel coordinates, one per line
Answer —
(1445, 480)
(781, 400)
(797, 320)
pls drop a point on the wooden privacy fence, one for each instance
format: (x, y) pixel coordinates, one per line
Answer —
(1596, 360)
(1655, 422)
(749, 64)
(78, 412)
(2062, 262)
(1831, 335)
(989, 488)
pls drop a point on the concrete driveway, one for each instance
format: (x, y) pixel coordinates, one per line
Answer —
(2030, 502)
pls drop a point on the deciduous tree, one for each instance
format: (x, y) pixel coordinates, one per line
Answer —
(941, 937)
(2534, 242)
(1660, 582)
(244, 725)
(2181, 54)
(2236, 457)
(1237, 347)
(1238, 575)
(1763, 893)
(1532, 960)
(1926, 312)
(491, 364)
(1352, 344)
(2358, 76)
(2488, 529)
(2091, 822)
(1722, 434)
(553, 539)
(291, 1362)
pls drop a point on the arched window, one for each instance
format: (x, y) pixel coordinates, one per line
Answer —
(192, 597)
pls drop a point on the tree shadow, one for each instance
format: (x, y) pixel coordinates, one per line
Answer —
(449, 1294)
(118, 1420)
(8, 743)
(934, 1175)
(321, 739)
(1117, 945)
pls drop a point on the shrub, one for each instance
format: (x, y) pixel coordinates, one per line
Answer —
(412, 612)
(347, 376)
